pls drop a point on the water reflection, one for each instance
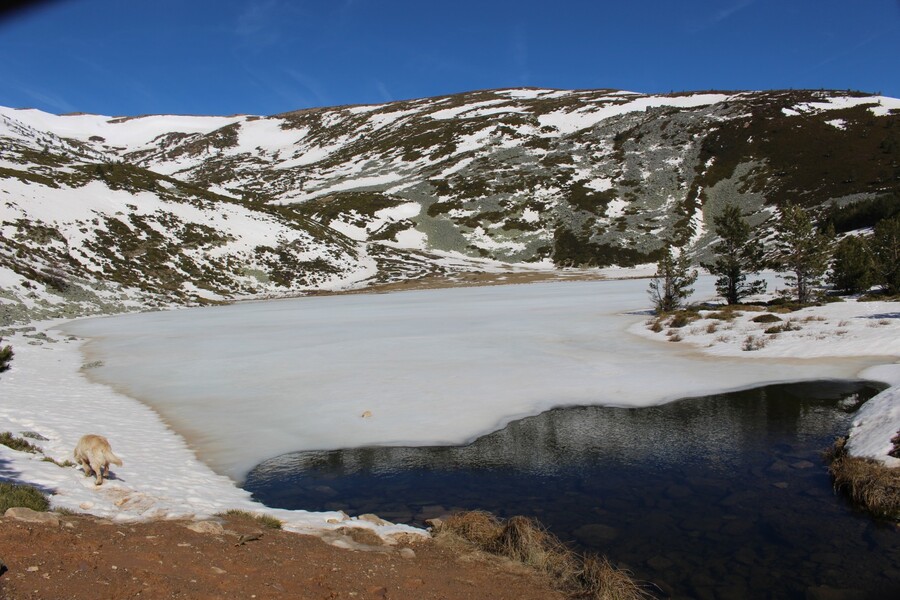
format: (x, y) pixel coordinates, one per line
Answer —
(720, 496)
(715, 429)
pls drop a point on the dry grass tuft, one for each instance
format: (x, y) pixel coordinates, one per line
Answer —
(478, 527)
(602, 581)
(526, 541)
(870, 484)
(753, 343)
(682, 318)
(265, 521)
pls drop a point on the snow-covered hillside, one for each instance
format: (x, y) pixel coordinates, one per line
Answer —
(98, 213)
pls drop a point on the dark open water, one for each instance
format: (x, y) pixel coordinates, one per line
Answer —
(723, 496)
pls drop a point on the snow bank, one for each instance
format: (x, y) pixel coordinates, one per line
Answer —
(161, 477)
(876, 423)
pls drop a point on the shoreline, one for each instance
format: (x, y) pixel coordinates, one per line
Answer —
(589, 381)
(127, 505)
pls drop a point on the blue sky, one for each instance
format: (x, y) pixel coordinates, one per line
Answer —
(263, 57)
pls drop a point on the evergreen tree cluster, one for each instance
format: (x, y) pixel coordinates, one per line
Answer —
(798, 248)
(861, 262)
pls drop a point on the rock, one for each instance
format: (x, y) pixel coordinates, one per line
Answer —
(376, 591)
(678, 491)
(34, 436)
(435, 524)
(374, 519)
(802, 464)
(206, 527)
(20, 513)
(407, 553)
(596, 534)
(779, 466)
(431, 511)
(824, 592)
(782, 485)
(339, 519)
(746, 556)
(659, 563)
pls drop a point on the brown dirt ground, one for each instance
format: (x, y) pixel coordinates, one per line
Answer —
(90, 558)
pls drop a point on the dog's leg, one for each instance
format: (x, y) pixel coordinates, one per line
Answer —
(98, 471)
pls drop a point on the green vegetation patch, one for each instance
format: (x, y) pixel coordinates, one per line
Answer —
(766, 318)
(807, 159)
(571, 250)
(327, 208)
(14, 494)
(17, 443)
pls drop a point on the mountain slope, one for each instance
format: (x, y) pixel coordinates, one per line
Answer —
(96, 210)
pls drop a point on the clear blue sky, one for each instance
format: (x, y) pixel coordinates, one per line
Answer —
(125, 57)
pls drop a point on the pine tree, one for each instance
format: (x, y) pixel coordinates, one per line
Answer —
(737, 254)
(886, 252)
(853, 269)
(6, 355)
(672, 283)
(800, 250)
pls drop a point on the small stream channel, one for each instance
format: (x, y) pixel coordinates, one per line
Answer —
(723, 496)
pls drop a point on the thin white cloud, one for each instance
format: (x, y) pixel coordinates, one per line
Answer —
(385, 93)
(723, 14)
(255, 18)
(259, 26)
(310, 86)
(45, 100)
(519, 52)
(852, 49)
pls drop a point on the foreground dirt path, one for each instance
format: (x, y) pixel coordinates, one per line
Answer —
(88, 558)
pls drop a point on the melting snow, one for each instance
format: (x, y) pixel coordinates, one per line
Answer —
(570, 122)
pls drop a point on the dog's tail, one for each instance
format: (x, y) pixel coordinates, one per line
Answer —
(112, 458)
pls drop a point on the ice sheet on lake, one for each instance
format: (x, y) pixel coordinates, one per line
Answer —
(251, 381)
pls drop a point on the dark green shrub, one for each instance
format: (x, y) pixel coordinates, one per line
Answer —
(6, 355)
(767, 318)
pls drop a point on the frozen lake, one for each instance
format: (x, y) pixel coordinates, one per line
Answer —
(251, 381)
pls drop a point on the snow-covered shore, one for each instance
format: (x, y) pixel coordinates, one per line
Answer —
(46, 392)
(850, 328)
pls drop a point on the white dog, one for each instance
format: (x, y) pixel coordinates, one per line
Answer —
(94, 455)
